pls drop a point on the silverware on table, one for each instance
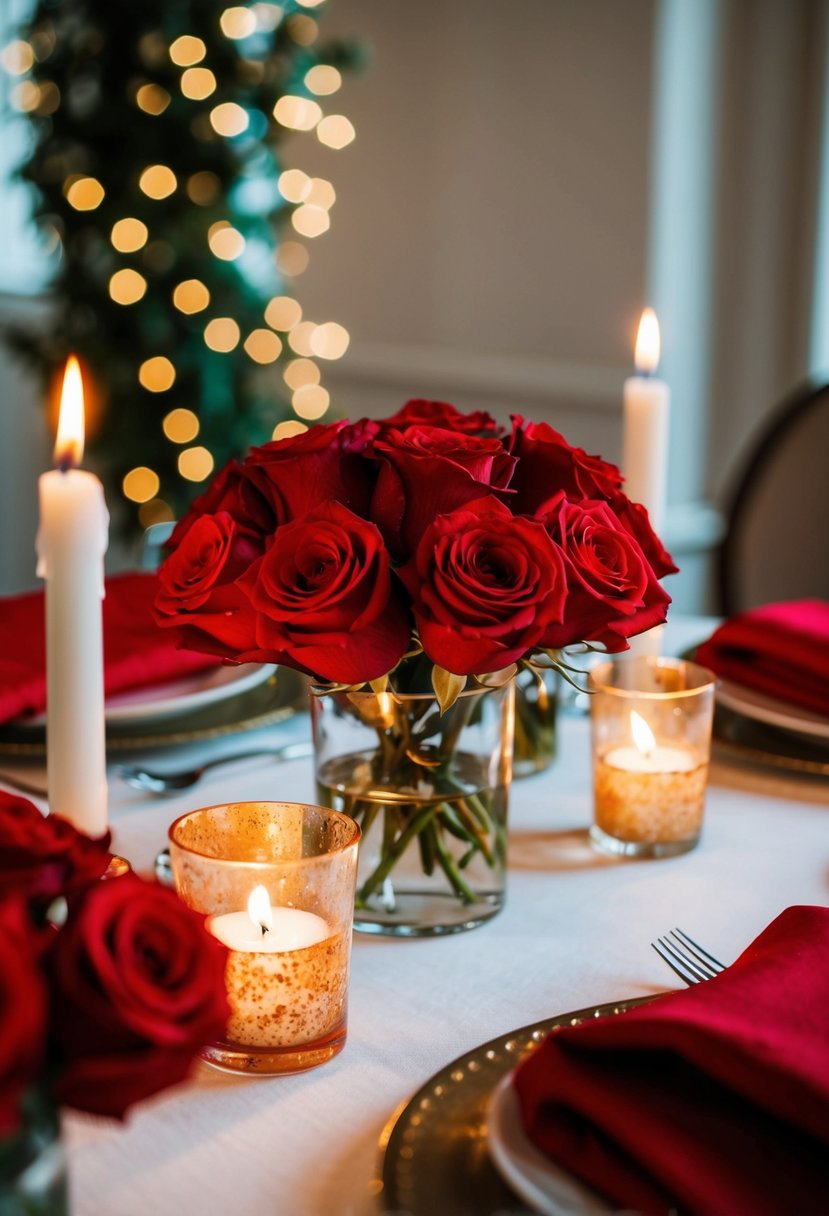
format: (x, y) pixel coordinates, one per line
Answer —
(168, 782)
(687, 958)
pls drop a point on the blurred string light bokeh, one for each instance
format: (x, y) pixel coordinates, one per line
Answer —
(177, 223)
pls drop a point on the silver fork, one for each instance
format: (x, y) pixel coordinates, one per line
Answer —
(687, 958)
(169, 782)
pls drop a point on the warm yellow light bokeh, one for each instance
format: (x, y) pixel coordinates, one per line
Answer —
(195, 464)
(222, 334)
(335, 131)
(203, 188)
(140, 484)
(225, 241)
(127, 286)
(310, 402)
(187, 50)
(128, 235)
(25, 96)
(229, 119)
(310, 221)
(283, 313)
(263, 346)
(304, 30)
(299, 339)
(152, 99)
(156, 511)
(85, 194)
(180, 426)
(284, 430)
(17, 57)
(156, 375)
(294, 185)
(297, 113)
(48, 98)
(191, 296)
(237, 22)
(197, 83)
(291, 259)
(157, 181)
(329, 341)
(323, 79)
(300, 372)
(321, 194)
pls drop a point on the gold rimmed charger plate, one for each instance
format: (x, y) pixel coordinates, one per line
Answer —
(433, 1151)
(741, 737)
(754, 742)
(273, 701)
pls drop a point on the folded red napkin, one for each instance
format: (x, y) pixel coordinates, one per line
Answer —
(137, 653)
(713, 1100)
(780, 649)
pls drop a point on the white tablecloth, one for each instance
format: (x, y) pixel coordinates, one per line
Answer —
(575, 932)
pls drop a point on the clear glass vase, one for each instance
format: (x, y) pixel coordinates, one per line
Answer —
(429, 791)
(536, 709)
(33, 1163)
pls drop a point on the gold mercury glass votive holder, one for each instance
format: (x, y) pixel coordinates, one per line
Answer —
(651, 732)
(277, 881)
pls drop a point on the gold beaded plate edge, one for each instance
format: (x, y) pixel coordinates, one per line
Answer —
(433, 1151)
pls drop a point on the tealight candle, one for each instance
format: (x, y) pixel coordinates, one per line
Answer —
(288, 954)
(649, 788)
(289, 935)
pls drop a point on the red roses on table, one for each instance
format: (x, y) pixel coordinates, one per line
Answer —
(139, 985)
(107, 999)
(351, 547)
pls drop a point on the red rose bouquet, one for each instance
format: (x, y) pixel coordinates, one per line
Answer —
(350, 549)
(108, 988)
(426, 551)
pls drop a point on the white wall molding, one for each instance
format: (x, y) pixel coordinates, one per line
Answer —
(443, 370)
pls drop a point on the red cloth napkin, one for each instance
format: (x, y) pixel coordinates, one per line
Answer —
(713, 1100)
(780, 649)
(137, 653)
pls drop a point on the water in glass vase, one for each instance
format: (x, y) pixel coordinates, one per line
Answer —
(433, 850)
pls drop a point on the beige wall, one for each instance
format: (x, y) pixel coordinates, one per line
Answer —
(488, 242)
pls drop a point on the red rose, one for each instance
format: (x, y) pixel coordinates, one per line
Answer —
(420, 412)
(486, 586)
(323, 596)
(634, 519)
(232, 491)
(140, 986)
(198, 594)
(22, 1010)
(44, 856)
(547, 463)
(426, 471)
(614, 593)
(297, 474)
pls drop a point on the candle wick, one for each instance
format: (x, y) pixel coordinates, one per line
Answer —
(264, 928)
(64, 464)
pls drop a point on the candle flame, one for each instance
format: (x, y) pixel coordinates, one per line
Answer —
(70, 437)
(643, 736)
(647, 343)
(259, 909)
